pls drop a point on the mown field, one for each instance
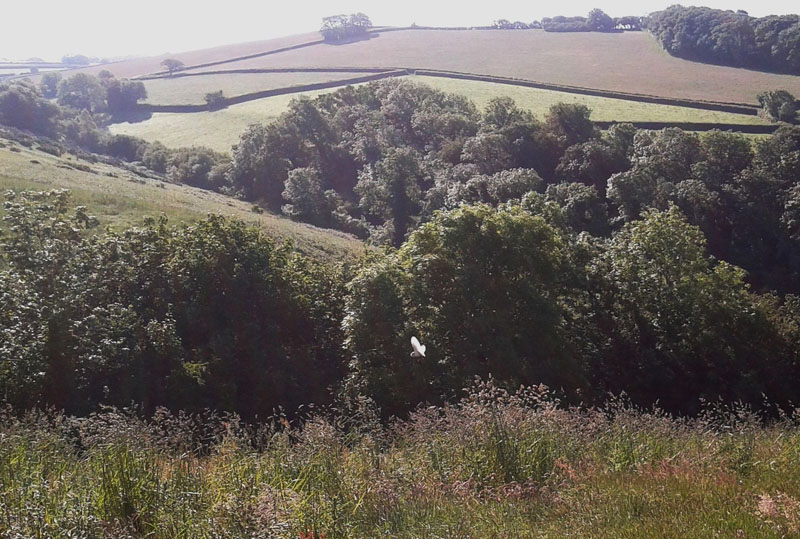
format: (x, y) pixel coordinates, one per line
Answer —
(221, 129)
(481, 469)
(192, 90)
(121, 199)
(626, 62)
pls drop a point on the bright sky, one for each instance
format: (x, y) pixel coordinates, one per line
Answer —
(50, 29)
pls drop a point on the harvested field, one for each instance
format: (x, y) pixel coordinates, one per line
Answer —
(626, 62)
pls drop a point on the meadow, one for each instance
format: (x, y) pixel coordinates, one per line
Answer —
(492, 465)
(221, 129)
(218, 130)
(120, 199)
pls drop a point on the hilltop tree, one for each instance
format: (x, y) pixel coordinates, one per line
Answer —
(76, 60)
(172, 65)
(341, 27)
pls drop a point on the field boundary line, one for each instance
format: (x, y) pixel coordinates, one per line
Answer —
(735, 108)
(235, 100)
(397, 71)
(374, 75)
(258, 70)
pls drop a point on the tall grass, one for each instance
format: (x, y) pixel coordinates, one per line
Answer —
(493, 465)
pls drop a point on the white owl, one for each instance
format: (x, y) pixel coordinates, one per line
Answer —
(419, 349)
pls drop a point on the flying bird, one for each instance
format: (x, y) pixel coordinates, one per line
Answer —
(419, 349)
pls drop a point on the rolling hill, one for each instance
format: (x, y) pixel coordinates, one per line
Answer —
(621, 76)
(624, 62)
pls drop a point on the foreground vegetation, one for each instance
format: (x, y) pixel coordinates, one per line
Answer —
(216, 315)
(492, 465)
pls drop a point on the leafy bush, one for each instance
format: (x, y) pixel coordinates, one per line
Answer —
(778, 106)
(156, 315)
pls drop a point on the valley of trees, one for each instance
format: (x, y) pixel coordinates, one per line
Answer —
(611, 321)
(660, 264)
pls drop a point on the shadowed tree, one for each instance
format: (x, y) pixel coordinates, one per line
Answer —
(390, 190)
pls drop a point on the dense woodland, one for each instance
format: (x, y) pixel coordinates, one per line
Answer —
(660, 264)
(729, 38)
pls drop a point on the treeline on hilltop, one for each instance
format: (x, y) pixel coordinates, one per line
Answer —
(596, 21)
(663, 264)
(729, 38)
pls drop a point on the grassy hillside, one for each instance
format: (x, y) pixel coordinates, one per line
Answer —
(221, 129)
(192, 90)
(627, 62)
(121, 199)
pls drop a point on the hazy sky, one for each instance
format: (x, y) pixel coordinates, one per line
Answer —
(50, 29)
